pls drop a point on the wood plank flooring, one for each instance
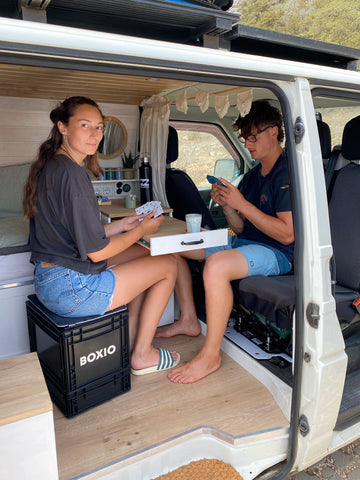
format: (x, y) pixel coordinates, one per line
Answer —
(156, 409)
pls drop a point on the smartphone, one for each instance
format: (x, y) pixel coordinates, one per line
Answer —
(213, 179)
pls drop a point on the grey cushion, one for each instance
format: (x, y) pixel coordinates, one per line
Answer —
(12, 180)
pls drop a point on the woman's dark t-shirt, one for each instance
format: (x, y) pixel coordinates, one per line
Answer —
(67, 225)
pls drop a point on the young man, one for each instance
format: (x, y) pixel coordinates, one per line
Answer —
(259, 212)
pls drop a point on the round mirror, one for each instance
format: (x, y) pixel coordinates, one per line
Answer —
(114, 140)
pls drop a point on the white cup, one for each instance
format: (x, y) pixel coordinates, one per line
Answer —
(193, 222)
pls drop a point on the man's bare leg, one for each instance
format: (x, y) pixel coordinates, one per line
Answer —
(188, 324)
(220, 269)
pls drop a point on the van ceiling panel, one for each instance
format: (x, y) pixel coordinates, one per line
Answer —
(56, 84)
(49, 83)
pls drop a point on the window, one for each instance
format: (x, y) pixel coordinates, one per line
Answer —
(200, 146)
(336, 118)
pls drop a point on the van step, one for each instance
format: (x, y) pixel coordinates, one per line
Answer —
(251, 345)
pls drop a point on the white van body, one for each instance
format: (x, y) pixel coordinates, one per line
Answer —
(318, 380)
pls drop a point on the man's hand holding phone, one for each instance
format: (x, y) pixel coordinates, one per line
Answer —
(211, 179)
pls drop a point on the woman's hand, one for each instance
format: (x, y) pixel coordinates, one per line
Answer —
(121, 225)
(128, 223)
(150, 224)
(119, 243)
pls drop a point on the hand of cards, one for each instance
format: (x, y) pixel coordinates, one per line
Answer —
(148, 207)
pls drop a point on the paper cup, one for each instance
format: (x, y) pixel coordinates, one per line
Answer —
(193, 222)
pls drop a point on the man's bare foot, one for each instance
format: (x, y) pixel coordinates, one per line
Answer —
(180, 327)
(198, 368)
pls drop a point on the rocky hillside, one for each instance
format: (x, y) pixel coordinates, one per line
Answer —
(331, 21)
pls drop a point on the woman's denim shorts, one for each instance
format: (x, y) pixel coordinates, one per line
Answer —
(73, 294)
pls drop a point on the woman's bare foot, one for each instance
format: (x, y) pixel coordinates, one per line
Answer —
(198, 368)
(179, 327)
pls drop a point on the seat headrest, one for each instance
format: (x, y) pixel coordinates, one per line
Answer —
(350, 147)
(172, 146)
(325, 138)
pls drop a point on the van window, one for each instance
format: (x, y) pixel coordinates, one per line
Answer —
(336, 118)
(204, 149)
(201, 145)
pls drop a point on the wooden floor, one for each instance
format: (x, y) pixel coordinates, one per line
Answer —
(156, 409)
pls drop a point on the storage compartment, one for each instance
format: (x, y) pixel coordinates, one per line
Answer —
(85, 360)
(14, 335)
(172, 237)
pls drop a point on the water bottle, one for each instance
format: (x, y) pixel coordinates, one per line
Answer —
(145, 174)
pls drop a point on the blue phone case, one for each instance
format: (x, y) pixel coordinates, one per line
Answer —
(213, 179)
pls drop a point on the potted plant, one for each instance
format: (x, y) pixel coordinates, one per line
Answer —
(129, 161)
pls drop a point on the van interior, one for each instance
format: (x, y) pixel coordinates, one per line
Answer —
(256, 376)
(260, 327)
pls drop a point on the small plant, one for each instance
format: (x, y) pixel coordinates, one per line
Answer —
(129, 160)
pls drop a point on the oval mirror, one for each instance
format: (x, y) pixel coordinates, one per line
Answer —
(114, 140)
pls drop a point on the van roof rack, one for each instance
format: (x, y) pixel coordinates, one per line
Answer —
(257, 41)
(183, 22)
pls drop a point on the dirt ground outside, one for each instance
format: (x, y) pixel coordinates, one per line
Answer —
(341, 465)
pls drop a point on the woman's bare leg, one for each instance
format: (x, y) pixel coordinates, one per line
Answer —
(134, 307)
(220, 269)
(156, 276)
(188, 324)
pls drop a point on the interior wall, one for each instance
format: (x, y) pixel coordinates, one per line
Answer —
(25, 124)
(129, 116)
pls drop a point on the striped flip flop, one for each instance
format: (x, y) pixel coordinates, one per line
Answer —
(166, 361)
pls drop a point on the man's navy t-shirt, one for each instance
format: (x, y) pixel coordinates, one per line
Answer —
(270, 194)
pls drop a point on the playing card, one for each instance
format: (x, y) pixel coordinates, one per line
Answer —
(148, 207)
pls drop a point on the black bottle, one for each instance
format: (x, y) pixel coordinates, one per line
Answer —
(145, 175)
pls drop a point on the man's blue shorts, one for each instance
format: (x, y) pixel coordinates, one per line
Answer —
(262, 260)
(73, 294)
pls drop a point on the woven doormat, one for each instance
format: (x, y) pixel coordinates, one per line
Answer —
(205, 469)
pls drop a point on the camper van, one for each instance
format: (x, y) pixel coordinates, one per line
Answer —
(287, 393)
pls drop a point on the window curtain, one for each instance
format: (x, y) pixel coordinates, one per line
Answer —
(154, 131)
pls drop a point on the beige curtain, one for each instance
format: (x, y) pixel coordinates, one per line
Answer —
(154, 130)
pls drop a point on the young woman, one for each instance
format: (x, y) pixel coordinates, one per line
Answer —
(83, 267)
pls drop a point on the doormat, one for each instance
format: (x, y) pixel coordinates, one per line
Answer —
(205, 469)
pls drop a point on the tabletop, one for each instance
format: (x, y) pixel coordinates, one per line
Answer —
(117, 209)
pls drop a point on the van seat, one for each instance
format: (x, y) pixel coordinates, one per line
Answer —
(343, 154)
(325, 139)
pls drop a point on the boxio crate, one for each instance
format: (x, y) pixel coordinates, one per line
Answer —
(85, 360)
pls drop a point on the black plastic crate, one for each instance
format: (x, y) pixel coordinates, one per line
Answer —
(85, 360)
(94, 393)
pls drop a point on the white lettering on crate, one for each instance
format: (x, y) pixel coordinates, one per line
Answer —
(103, 352)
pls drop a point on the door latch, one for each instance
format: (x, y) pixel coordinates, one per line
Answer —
(299, 130)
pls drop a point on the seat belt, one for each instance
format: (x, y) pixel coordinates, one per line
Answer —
(330, 167)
